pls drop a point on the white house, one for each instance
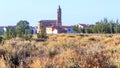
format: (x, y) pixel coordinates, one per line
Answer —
(49, 30)
(3, 29)
(82, 25)
(59, 29)
(53, 30)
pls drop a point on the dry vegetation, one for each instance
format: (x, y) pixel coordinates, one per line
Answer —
(62, 51)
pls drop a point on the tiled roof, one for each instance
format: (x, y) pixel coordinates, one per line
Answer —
(85, 25)
(59, 27)
(1, 27)
(48, 21)
(66, 26)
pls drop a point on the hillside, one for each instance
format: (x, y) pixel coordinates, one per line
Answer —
(62, 51)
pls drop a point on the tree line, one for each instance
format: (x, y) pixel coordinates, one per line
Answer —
(22, 30)
(103, 26)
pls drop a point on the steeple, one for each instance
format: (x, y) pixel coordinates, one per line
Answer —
(59, 16)
(59, 7)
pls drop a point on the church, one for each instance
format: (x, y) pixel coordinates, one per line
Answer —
(58, 22)
(53, 26)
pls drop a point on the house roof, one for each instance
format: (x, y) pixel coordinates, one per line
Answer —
(59, 27)
(66, 26)
(1, 27)
(84, 25)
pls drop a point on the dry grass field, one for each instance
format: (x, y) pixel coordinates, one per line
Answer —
(62, 51)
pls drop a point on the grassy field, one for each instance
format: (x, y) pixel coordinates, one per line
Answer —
(62, 51)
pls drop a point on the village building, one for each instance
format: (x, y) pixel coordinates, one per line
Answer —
(32, 30)
(54, 30)
(50, 23)
(54, 26)
(60, 29)
(82, 25)
(58, 22)
(3, 29)
(68, 29)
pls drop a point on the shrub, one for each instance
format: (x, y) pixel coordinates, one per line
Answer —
(84, 35)
(9, 34)
(73, 65)
(41, 36)
(51, 52)
(6, 36)
(2, 52)
(60, 52)
(92, 39)
(1, 39)
(27, 37)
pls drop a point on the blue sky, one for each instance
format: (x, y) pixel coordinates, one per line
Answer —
(73, 11)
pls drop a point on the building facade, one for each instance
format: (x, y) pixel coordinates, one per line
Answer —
(82, 25)
(54, 26)
(55, 30)
(50, 23)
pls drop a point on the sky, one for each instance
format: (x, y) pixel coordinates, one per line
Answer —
(73, 11)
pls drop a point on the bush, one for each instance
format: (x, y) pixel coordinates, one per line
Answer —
(61, 52)
(73, 65)
(6, 36)
(2, 52)
(51, 52)
(41, 36)
(27, 37)
(1, 39)
(92, 39)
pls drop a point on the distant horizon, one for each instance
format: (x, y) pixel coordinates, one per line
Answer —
(73, 12)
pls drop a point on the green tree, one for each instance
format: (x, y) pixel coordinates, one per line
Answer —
(111, 27)
(42, 34)
(105, 26)
(116, 27)
(10, 33)
(27, 36)
(77, 29)
(22, 26)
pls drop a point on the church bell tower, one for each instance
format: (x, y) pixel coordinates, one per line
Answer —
(59, 16)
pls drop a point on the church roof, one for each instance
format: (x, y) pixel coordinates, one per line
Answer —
(47, 21)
